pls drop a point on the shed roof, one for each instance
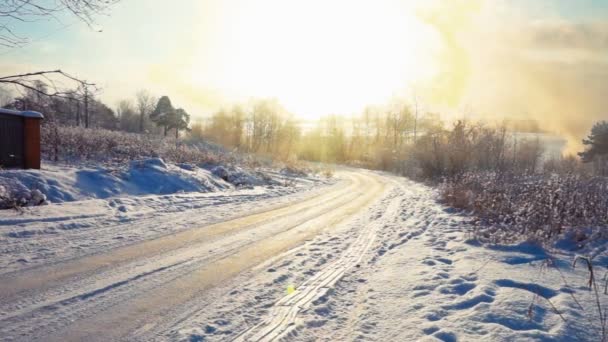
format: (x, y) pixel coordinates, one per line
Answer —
(25, 114)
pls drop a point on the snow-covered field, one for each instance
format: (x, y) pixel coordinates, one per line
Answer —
(364, 257)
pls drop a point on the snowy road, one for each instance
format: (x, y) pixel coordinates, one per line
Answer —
(370, 257)
(125, 292)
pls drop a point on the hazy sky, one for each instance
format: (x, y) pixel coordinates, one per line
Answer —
(544, 59)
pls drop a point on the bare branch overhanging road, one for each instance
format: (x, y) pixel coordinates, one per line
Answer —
(167, 271)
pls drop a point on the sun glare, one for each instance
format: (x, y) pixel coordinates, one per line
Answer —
(317, 57)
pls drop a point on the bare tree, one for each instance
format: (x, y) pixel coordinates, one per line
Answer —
(39, 87)
(5, 97)
(55, 78)
(145, 106)
(127, 116)
(15, 11)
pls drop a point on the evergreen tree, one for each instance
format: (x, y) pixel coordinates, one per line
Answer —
(597, 148)
(179, 121)
(596, 142)
(163, 113)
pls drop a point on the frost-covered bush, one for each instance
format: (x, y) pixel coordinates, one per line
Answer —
(297, 169)
(240, 177)
(14, 195)
(540, 207)
(70, 144)
(470, 147)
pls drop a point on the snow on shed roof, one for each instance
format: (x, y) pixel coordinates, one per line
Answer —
(25, 114)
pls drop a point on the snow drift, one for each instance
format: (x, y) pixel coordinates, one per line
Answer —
(140, 177)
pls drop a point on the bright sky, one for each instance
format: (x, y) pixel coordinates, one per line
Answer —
(543, 58)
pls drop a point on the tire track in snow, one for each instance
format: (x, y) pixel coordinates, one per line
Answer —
(142, 313)
(70, 234)
(14, 285)
(188, 259)
(283, 317)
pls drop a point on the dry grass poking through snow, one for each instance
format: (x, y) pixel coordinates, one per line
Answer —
(536, 207)
(541, 208)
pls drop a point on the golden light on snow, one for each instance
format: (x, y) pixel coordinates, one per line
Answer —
(317, 57)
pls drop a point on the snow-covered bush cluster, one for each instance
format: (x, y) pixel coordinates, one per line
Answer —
(14, 195)
(68, 143)
(511, 207)
(239, 177)
(72, 144)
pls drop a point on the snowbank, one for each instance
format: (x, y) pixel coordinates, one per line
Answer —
(239, 177)
(141, 177)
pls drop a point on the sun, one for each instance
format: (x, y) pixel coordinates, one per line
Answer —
(316, 57)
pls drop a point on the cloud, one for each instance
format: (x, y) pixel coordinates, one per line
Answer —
(562, 34)
(509, 65)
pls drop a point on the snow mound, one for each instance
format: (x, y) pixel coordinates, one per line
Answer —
(239, 177)
(141, 177)
(14, 194)
(151, 176)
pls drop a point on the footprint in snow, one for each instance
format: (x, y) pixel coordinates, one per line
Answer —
(322, 311)
(458, 289)
(422, 293)
(430, 330)
(470, 277)
(429, 262)
(435, 316)
(280, 279)
(316, 323)
(471, 302)
(446, 336)
(442, 275)
(531, 287)
(444, 260)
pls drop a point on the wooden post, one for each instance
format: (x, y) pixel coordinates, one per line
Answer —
(31, 142)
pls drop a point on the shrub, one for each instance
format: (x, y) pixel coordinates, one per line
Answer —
(531, 206)
(71, 144)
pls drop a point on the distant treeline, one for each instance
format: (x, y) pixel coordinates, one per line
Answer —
(79, 107)
(396, 137)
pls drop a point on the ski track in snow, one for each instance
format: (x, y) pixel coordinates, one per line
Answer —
(403, 269)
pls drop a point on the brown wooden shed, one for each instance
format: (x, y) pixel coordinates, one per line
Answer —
(20, 139)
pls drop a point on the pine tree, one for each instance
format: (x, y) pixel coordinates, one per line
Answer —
(597, 142)
(179, 121)
(163, 113)
(597, 148)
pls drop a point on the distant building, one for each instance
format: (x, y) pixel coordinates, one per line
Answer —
(20, 139)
